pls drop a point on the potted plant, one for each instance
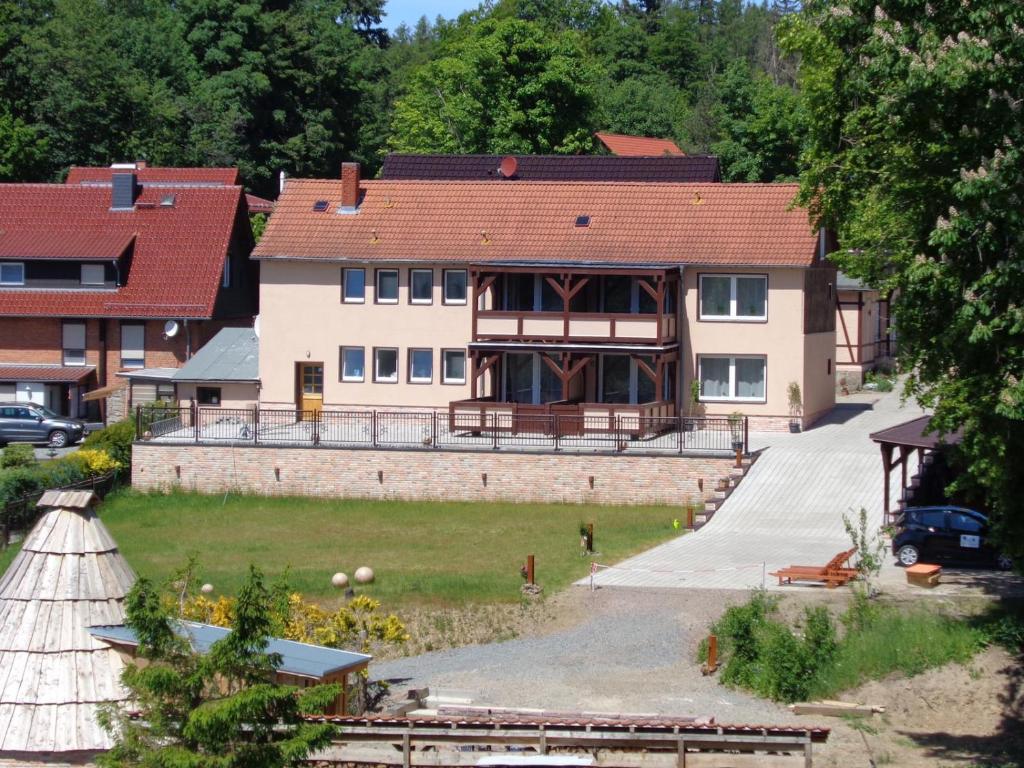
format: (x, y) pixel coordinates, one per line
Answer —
(796, 406)
(736, 429)
(692, 407)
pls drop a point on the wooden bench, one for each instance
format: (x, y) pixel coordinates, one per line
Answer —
(835, 573)
(924, 575)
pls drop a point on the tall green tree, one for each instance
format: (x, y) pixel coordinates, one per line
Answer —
(914, 155)
(509, 86)
(218, 710)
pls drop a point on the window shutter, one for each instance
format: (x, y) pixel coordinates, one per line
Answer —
(74, 335)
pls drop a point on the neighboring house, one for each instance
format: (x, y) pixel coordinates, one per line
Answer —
(121, 268)
(584, 298)
(637, 146)
(667, 168)
(864, 336)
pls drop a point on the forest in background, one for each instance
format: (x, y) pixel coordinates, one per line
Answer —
(301, 86)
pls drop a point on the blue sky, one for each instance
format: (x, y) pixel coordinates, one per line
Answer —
(410, 11)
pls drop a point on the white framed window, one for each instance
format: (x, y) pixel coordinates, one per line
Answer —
(453, 366)
(353, 286)
(455, 286)
(421, 286)
(12, 273)
(92, 274)
(386, 286)
(385, 365)
(225, 280)
(353, 364)
(733, 297)
(73, 338)
(740, 379)
(421, 366)
(133, 345)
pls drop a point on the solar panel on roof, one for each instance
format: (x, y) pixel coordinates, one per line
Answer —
(582, 221)
(320, 206)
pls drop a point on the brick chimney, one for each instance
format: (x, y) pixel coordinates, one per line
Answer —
(349, 187)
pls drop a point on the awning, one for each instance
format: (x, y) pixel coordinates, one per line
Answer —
(104, 392)
(49, 374)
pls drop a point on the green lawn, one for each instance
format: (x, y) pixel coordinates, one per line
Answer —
(422, 552)
(7, 555)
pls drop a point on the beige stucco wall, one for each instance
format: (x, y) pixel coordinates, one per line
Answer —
(780, 340)
(302, 319)
(232, 395)
(819, 389)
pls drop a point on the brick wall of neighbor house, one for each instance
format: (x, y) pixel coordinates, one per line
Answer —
(440, 475)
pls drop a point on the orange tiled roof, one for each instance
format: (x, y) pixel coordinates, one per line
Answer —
(637, 146)
(156, 175)
(483, 221)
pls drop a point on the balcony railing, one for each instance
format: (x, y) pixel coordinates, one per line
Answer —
(577, 327)
(465, 425)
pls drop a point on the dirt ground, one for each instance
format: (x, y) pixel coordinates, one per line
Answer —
(618, 650)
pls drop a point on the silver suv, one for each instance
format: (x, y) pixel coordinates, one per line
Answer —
(31, 423)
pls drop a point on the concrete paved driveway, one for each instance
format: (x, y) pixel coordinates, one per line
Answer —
(787, 510)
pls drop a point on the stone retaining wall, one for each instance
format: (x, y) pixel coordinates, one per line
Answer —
(436, 475)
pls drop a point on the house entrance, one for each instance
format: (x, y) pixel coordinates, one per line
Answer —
(310, 386)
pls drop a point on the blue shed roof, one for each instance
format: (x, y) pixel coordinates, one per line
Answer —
(232, 355)
(296, 658)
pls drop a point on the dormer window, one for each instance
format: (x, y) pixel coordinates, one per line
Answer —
(92, 274)
(12, 273)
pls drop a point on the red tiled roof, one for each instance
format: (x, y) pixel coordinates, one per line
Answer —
(64, 244)
(481, 221)
(55, 373)
(177, 261)
(637, 146)
(185, 176)
(259, 204)
(667, 168)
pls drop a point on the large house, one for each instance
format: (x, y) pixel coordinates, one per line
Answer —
(587, 298)
(120, 268)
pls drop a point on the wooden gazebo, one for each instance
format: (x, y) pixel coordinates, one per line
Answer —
(914, 435)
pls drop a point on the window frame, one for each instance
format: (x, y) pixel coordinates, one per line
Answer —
(444, 287)
(103, 275)
(124, 360)
(64, 349)
(410, 377)
(732, 317)
(376, 373)
(220, 398)
(19, 264)
(376, 285)
(732, 398)
(341, 365)
(412, 283)
(445, 378)
(344, 286)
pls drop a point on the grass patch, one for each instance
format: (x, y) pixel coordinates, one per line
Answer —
(7, 556)
(423, 553)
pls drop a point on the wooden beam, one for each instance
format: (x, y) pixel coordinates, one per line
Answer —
(580, 285)
(579, 366)
(489, 362)
(559, 289)
(647, 287)
(887, 468)
(648, 371)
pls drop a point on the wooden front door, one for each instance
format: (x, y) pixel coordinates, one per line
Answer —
(310, 387)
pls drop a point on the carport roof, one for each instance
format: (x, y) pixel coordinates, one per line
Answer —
(57, 374)
(916, 434)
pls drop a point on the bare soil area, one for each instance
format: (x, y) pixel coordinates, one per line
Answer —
(621, 650)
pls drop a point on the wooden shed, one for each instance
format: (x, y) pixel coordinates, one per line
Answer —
(54, 674)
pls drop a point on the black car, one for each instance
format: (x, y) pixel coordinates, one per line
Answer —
(946, 533)
(32, 423)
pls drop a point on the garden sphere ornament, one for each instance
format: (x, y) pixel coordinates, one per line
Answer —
(339, 580)
(206, 588)
(364, 575)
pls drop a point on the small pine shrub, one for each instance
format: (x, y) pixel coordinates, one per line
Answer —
(18, 455)
(819, 636)
(59, 472)
(785, 666)
(18, 482)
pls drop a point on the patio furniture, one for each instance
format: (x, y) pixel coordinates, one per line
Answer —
(924, 575)
(835, 573)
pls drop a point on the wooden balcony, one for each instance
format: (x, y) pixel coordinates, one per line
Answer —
(575, 327)
(562, 417)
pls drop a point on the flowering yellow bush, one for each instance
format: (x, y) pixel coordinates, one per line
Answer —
(200, 608)
(94, 462)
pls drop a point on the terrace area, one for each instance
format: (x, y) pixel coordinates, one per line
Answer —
(509, 430)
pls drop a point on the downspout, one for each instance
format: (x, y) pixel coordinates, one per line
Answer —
(188, 339)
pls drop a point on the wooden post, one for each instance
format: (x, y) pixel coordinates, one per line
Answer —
(886, 467)
(904, 452)
(590, 537)
(530, 570)
(406, 751)
(712, 653)
(681, 753)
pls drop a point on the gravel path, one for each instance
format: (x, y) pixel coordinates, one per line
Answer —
(618, 650)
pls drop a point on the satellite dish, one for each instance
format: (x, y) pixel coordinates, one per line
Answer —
(171, 329)
(256, 326)
(508, 167)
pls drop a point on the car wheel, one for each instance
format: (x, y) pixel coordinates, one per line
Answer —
(1004, 563)
(58, 438)
(908, 555)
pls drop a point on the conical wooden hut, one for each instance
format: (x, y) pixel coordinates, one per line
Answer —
(67, 577)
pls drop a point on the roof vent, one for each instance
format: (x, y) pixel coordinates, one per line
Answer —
(508, 167)
(167, 201)
(582, 221)
(321, 205)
